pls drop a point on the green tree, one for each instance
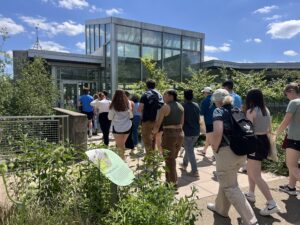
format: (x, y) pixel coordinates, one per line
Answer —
(35, 91)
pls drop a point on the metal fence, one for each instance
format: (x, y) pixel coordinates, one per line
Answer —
(12, 128)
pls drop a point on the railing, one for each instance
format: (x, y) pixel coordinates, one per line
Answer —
(52, 128)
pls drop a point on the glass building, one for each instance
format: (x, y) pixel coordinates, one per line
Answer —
(123, 42)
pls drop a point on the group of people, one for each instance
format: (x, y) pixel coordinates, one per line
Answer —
(168, 125)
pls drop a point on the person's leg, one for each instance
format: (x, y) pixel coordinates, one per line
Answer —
(135, 127)
(105, 126)
(189, 143)
(158, 140)
(147, 136)
(120, 143)
(254, 171)
(292, 158)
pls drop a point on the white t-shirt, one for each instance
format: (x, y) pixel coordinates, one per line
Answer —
(120, 120)
(102, 106)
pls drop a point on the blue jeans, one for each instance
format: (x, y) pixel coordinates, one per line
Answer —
(135, 127)
(189, 155)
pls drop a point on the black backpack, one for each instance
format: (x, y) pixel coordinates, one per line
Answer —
(155, 102)
(242, 140)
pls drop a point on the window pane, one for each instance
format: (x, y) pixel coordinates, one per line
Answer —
(190, 60)
(129, 64)
(107, 32)
(92, 33)
(102, 34)
(128, 34)
(190, 43)
(97, 37)
(88, 41)
(151, 37)
(172, 63)
(151, 53)
(171, 40)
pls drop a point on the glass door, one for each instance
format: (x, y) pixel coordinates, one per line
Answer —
(70, 96)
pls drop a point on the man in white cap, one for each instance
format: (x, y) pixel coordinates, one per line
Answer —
(207, 109)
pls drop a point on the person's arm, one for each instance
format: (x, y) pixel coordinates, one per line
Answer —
(111, 114)
(251, 115)
(286, 120)
(141, 108)
(182, 119)
(94, 103)
(161, 115)
(217, 134)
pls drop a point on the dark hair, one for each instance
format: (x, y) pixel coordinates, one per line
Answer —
(96, 96)
(292, 86)
(228, 84)
(85, 90)
(150, 84)
(254, 99)
(173, 93)
(101, 95)
(188, 95)
(135, 99)
(105, 93)
(119, 102)
(127, 94)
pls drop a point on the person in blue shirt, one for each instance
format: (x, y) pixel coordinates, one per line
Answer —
(207, 109)
(85, 101)
(237, 100)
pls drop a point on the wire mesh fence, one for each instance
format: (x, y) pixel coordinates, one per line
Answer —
(54, 129)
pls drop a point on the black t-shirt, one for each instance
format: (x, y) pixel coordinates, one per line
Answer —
(152, 101)
(224, 115)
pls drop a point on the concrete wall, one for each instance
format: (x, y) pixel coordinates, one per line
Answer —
(77, 127)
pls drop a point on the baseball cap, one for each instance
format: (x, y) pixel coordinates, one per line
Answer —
(207, 90)
(111, 166)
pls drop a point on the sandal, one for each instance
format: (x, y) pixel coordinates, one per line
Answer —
(201, 152)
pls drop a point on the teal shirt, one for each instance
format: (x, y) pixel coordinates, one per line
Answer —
(294, 126)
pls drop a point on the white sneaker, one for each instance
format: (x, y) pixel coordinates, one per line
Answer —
(212, 207)
(270, 209)
(250, 197)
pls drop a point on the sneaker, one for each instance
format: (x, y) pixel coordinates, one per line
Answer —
(250, 197)
(215, 173)
(212, 208)
(270, 209)
(287, 189)
(193, 174)
(182, 166)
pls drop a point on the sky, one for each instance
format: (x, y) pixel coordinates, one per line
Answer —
(235, 30)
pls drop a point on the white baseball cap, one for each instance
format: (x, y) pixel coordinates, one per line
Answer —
(207, 90)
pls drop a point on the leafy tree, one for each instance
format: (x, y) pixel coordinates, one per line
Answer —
(35, 91)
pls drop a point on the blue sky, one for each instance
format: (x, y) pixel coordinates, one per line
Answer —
(236, 30)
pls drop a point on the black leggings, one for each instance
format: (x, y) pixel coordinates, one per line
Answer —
(105, 126)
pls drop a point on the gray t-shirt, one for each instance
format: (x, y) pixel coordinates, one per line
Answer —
(294, 126)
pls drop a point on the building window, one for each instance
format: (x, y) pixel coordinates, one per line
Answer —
(97, 37)
(171, 40)
(190, 60)
(102, 35)
(189, 43)
(107, 32)
(171, 63)
(129, 64)
(154, 54)
(152, 37)
(88, 41)
(128, 34)
(92, 33)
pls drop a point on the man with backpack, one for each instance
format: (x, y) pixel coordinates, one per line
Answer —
(151, 102)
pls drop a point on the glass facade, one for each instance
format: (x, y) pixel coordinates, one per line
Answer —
(125, 43)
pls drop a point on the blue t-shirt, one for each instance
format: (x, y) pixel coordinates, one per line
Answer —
(237, 100)
(191, 126)
(85, 102)
(207, 110)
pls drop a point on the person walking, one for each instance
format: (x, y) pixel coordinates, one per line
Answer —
(120, 115)
(260, 117)
(292, 122)
(102, 104)
(129, 142)
(171, 116)
(207, 109)
(87, 109)
(191, 128)
(151, 102)
(136, 120)
(96, 116)
(237, 100)
(227, 163)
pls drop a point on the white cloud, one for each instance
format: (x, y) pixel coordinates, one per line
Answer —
(113, 11)
(95, 9)
(256, 40)
(207, 58)
(52, 46)
(266, 9)
(69, 28)
(73, 4)
(284, 30)
(80, 45)
(213, 49)
(274, 17)
(290, 53)
(10, 26)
